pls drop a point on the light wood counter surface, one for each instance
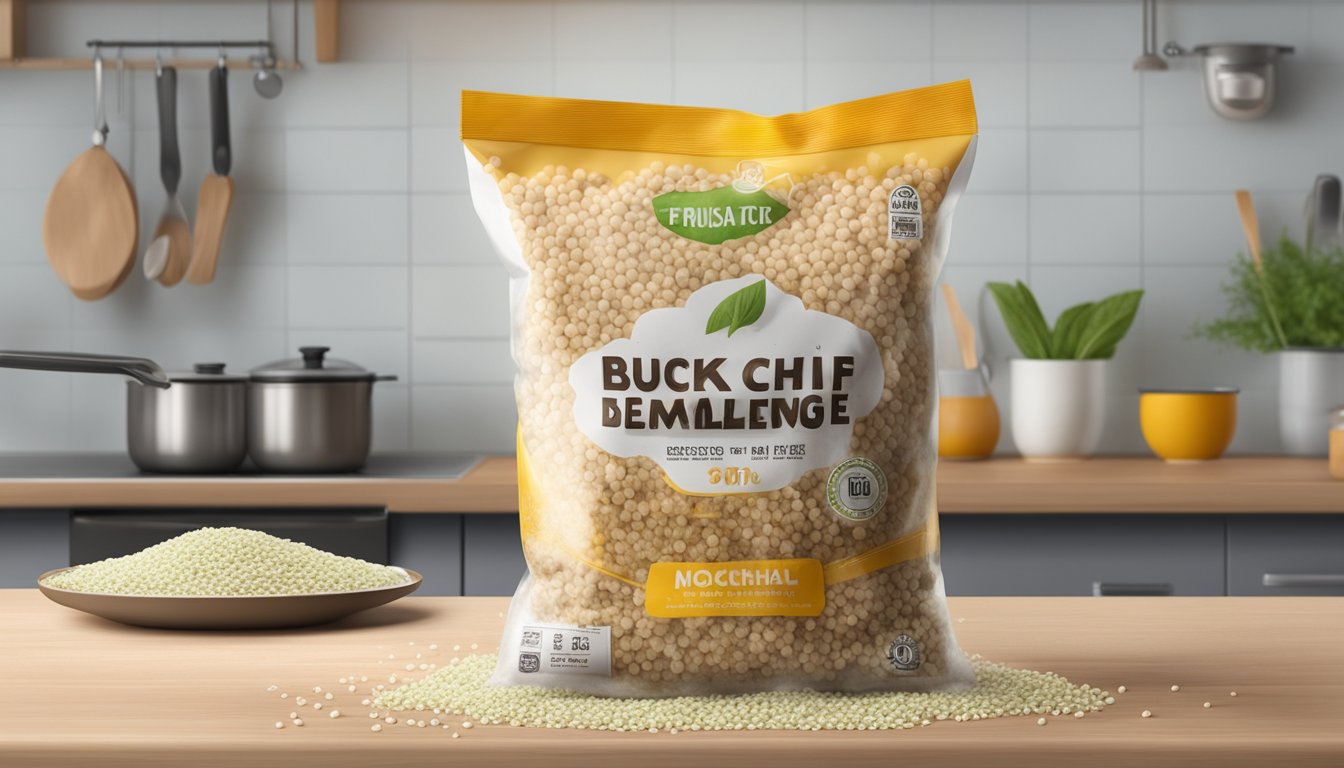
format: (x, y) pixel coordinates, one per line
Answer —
(1008, 486)
(81, 691)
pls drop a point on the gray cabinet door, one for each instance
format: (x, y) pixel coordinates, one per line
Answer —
(492, 555)
(1074, 554)
(1285, 555)
(431, 545)
(32, 542)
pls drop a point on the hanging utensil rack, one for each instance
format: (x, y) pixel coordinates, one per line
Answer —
(265, 52)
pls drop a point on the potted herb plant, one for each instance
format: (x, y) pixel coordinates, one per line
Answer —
(1292, 304)
(1059, 383)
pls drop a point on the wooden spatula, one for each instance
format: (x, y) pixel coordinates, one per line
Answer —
(91, 226)
(1250, 223)
(963, 328)
(212, 207)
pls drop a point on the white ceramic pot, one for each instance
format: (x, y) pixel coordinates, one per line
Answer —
(1059, 407)
(1311, 383)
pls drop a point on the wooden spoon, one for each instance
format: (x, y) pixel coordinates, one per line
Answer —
(1250, 224)
(963, 328)
(212, 207)
(91, 225)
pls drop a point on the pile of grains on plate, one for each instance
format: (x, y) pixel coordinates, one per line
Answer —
(226, 562)
(461, 689)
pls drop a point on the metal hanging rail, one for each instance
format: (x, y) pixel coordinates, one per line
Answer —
(181, 44)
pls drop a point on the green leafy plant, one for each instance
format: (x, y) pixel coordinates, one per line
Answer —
(738, 310)
(1088, 331)
(1296, 299)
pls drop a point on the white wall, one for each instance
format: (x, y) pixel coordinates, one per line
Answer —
(352, 227)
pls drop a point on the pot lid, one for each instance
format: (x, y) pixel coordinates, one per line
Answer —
(207, 373)
(313, 366)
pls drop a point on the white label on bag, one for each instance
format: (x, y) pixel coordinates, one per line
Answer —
(905, 218)
(742, 390)
(564, 649)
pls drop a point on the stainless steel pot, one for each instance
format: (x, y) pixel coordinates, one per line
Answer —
(310, 414)
(181, 422)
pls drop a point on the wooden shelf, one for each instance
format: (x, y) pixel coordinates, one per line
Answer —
(13, 38)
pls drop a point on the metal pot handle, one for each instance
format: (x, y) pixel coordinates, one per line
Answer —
(144, 371)
(385, 377)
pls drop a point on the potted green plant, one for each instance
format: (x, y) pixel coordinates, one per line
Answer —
(1291, 304)
(1059, 384)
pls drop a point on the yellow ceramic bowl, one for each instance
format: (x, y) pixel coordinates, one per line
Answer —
(1188, 424)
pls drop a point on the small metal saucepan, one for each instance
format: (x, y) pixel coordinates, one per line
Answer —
(310, 414)
(180, 422)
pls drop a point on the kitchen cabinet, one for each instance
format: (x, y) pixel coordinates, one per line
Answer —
(1082, 554)
(431, 545)
(31, 542)
(492, 555)
(1285, 555)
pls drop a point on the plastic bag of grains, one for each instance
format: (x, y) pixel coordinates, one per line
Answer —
(726, 390)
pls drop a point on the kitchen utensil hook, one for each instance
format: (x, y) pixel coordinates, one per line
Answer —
(158, 62)
(121, 81)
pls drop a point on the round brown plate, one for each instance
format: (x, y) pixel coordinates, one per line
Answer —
(227, 612)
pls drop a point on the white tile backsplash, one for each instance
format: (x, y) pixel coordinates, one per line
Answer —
(348, 229)
(351, 226)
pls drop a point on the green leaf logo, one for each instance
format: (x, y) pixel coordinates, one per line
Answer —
(718, 215)
(740, 309)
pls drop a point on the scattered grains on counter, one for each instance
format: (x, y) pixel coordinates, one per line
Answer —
(216, 562)
(999, 692)
(335, 713)
(1079, 713)
(1146, 713)
(1233, 693)
(298, 721)
(300, 701)
(293, 715)
(1040, 721)
(317, 705)
(284, 695)
(456, 735)
(1121, 689)
(376, 728)
(279, 724)
(328, 697)
(1208, 705)
(1175, 688)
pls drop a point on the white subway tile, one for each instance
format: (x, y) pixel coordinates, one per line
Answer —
(979, 30)
(990, 229)
(742, 30)
(32, 158)
(520, 29)
(1000, 161)
(1079, 31)
(611, 29)
(1259, 156)
(247, 110)
(386, 353)
(33, 297)
(1323, 43)
(257, 229)
(34, 405)
(1086, 229)
(1060, 286)
(242, 299)
(471, 302)
(1084, 160)
(893, 31)
(467, 417)
(436, 86)
(772, 88)
(829, 82)
(52, 98)
(438, 163)
(1195, 23)
(258, 164)
(1084, 93)
(347, 94)
(97, 406)
(21, 227)
(630, 80)
(346, 160)
(391, 417)
(462, 361)
(348, 229)
(1204, 229)
(445, 230)
(1000, 89)
(347, 297)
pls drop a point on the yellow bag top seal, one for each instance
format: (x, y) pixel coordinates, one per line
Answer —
(938, 110)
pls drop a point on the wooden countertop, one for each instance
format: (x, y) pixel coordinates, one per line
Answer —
(81, 691)
(1008, 486)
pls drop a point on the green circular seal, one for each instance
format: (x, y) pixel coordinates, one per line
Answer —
(856, 489)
